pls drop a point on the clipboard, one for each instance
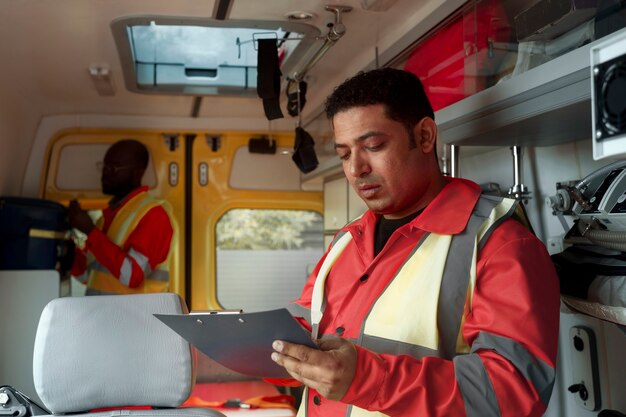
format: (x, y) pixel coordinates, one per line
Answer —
(240, 341)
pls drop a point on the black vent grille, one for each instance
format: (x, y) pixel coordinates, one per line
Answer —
(610, 98)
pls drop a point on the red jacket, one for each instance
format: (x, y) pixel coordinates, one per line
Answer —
(151, 238)
(516, 297)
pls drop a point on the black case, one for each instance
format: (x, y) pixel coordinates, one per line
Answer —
(33, 234)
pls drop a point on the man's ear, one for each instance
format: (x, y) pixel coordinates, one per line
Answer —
(138, 175)
(426, 134)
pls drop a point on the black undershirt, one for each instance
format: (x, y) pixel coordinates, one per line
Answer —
(385, 228)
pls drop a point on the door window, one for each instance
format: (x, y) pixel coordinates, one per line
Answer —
(264, 257)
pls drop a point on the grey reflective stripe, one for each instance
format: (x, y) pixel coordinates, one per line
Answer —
(83, 277)
(455, 280)
(142, 261)
(394, 347)
(126, 271)
(315, 331)
(91, 291)
(97, 266)
(508, 214)
(539, 373)
(479, 397)
(333, 336)
(338, 236)
(159, 275)
(297, 310)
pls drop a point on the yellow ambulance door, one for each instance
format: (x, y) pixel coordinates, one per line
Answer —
(256, 233)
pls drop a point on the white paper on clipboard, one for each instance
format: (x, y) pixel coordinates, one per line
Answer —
(241, 342)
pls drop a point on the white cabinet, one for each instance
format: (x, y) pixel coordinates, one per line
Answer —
(341, 205)
(335, 204)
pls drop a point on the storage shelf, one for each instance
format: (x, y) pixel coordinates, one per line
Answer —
(544, 106)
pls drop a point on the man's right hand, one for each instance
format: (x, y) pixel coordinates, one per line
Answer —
(329, 370)
(78, 218)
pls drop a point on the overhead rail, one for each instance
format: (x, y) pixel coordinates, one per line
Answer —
(335, 31)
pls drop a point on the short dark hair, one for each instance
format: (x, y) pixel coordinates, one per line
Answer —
(401, 92)
(139, 151)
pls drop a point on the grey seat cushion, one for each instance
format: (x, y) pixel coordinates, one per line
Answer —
(110, 351)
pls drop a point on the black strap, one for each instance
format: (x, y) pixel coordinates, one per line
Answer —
(295, 104)
(268, 78)
(304, 151)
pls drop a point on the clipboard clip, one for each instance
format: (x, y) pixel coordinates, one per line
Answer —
(214, 312)
(204, 312)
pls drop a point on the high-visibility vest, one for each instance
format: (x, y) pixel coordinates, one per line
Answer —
(125, 221)
(435, 305)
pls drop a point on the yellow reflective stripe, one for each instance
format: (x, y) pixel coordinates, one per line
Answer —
(129, 215)
(393, 306)
(170, 265)
(317, 301)
(47, 234)
(105, 282)
(302, 411)
(151, 285)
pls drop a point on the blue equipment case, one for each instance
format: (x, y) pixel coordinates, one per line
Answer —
(33, 234)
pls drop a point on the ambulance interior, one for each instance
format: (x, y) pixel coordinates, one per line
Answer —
(529, 99)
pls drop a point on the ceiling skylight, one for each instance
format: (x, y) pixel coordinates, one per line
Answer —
(200, 57)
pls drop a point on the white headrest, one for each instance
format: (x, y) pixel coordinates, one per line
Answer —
(110, 351)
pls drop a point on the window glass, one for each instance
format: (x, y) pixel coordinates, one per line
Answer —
(280, 248)
(80, 166)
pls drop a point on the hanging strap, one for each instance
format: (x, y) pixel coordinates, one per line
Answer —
(268, 78)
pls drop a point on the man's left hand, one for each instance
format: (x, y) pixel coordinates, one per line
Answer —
(329, 370)
(78, 218)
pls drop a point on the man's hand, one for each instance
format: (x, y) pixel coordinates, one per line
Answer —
(329, 370)
(78, 218)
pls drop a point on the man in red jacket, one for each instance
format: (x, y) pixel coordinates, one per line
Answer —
(437, 301)
(128, 250)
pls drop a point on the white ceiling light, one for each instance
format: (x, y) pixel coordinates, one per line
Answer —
(101, 77)
(299, 15)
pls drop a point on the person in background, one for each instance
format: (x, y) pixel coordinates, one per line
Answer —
(127, 250)
(437, 301)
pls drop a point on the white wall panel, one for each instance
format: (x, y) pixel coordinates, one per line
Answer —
(23, 295)
(335, 203)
